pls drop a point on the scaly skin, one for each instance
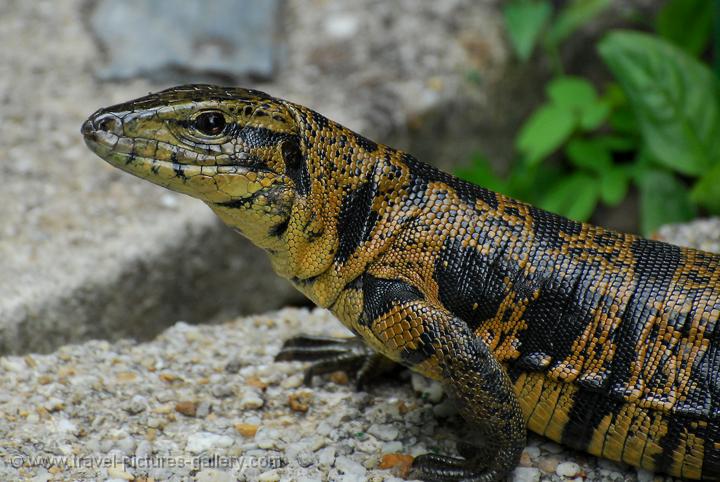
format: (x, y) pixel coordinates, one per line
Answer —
(603, 341)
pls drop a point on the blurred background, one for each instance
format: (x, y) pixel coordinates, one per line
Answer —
(600, 110)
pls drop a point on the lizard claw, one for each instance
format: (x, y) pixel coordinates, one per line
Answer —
(330, 354)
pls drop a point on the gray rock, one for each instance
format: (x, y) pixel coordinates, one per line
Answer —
(384, 432)
(349, 466)
(526, 474)
(228, 37)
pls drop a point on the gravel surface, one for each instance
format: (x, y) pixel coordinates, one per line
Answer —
(207, 403)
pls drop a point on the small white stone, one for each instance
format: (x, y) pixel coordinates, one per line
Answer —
(269, 476)
(65, 425)
(294, 381)
(384, 432)
(251, 400)
(533, 451)
(567, 469)
(203, 409)
(349, 466)
(326, 457)
(118, 473)
(430, 389)
(213, 475)
(137, 404)
(12, 365)
(202, 441)
(526, 474)
(143, 450)
(342, 26)
(393, 447)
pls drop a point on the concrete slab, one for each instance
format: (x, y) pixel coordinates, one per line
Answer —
(87, 251)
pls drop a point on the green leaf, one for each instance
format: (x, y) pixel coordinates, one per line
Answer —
(706, 191)
(575, 197)
(589, 154)
(594, 115)
(614, 185)
(571, 92)
(663, 200)
(687, 24)
(524, 20)
(675, 98)
(579, 95)
(481, 173)
(544, 132)
(572, 17)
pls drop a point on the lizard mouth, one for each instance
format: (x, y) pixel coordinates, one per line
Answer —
(204, 177)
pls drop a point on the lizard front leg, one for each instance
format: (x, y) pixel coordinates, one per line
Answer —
(330, 354)
(398, 321)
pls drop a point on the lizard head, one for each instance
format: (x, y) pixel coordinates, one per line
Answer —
(236, 149)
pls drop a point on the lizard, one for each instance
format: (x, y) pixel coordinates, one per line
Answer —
(603, 341)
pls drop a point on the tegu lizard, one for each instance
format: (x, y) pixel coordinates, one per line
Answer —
(603, 341)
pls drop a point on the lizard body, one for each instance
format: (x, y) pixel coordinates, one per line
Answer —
(602, 341)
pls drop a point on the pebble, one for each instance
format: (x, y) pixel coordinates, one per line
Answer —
(269, 476)
(250, 400)
(120, 474)
(349, 466)
(567, 469)
(526, 474)
(213, 475)
(392, 447)
(430, 389)
(137, 404)
(384, 432)
(548, 464)
(203, 441)
(326, 457)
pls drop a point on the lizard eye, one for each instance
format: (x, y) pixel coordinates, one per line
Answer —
(210, 123)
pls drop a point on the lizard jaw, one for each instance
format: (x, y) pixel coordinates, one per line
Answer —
(209, 180)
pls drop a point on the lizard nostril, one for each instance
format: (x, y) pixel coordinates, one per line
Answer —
(108, 123)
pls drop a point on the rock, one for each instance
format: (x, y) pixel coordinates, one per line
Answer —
(230, 37)
(246, 429)
(250, 399)
(269, 476)
(300, 401)
(548, 464)
(213, 475)
(567, 469)
(430, 389)
(137, 404)
(203, 441)
(392, 447)
(526, 474)
(187, 408)
(326, 457)
(384, 432)
(118, 473)
(349, 466)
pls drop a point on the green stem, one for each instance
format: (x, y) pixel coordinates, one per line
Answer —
(716, 37)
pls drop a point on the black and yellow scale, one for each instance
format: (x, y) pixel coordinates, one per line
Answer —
(603, 341)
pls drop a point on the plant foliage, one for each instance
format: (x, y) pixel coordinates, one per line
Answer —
(655, 129)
